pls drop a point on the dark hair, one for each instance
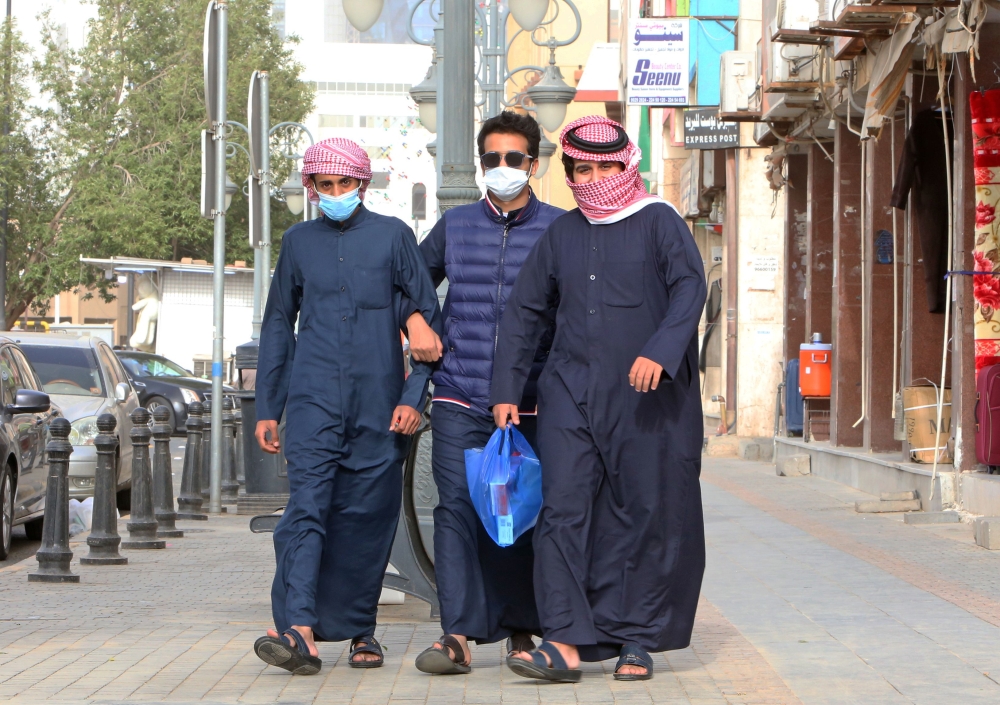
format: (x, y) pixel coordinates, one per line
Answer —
(568, 163)
(510, 123)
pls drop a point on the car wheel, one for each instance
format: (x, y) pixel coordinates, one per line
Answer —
(33, 529)
(6, 511)
(155, 402)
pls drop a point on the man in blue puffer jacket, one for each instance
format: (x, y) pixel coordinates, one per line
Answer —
(486, 592)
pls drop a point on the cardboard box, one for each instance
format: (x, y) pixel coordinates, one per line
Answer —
(920, 419)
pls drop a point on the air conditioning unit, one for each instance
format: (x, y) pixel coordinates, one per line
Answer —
(793, 64)
(796, 14)
(788, 106)
(738, 81)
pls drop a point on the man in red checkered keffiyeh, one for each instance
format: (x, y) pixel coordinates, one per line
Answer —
(602, 170)
(336, 156)
(619, 415)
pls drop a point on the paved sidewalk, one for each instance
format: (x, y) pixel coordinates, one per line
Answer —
(804, 602)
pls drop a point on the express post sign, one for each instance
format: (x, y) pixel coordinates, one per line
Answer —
(704, 130)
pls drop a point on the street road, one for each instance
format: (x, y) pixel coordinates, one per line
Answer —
(804, 601)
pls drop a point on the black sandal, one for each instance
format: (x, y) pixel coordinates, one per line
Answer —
(519, 641)
(554, 669)
(371, 646)
(436, 660)
(284, 653)
(634, 655)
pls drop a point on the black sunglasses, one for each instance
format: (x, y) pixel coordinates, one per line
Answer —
(491, 160)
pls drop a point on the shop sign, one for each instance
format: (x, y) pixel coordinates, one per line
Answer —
(658, 64)
(704, 130)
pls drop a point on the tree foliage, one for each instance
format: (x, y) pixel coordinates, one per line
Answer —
(117, 149)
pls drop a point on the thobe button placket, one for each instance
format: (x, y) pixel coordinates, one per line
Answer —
(592, 277)
(341, 259)
(593, 311)
(344, 318)
(343, 288)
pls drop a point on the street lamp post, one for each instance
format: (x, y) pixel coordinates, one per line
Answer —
(458, 173)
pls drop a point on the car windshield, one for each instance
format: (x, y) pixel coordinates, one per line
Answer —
(153, 367)
(65, 370)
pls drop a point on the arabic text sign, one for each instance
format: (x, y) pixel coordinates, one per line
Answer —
(704, 130)
(658, 68)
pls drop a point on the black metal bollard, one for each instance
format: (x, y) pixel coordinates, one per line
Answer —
(104, 539)
(54, 555)
(230, 486)
(190, 502)
(163, 481)
(241, 476)
(206, 452)
(142, 524)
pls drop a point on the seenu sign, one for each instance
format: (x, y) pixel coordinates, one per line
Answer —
(704, 130)
(658, 68)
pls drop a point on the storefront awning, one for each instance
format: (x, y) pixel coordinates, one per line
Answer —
(601, 78)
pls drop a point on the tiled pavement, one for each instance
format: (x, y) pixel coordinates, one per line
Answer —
(804, 602)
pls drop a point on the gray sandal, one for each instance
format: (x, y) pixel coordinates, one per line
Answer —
(284, 653)
(436, 660)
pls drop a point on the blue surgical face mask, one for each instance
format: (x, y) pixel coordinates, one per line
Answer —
(339, 208)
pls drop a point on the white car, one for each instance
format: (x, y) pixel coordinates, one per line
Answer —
(84, 379)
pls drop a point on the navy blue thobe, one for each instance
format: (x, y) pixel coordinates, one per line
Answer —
(338, 383)
(619, 543)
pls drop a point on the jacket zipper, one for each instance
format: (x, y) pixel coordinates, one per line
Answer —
(503, 254)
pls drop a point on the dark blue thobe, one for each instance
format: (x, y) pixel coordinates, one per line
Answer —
(619, 544)
(338, 384)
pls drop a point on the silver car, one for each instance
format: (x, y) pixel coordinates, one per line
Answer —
(84, 379)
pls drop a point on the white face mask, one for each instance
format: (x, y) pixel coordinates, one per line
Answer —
(505, 182)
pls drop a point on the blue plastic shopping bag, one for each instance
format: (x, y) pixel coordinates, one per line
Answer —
(505, 484)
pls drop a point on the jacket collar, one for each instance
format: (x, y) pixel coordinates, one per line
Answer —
(357, 217)
(523, 215)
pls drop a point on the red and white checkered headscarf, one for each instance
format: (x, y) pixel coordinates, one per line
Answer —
(613, 198)
(340, 156)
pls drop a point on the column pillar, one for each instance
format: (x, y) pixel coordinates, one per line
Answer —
(819, 245)
(878, 315)
(455, 138)
(796, 253)
(845, 402)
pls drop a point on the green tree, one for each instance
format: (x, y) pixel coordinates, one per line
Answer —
(123, 149)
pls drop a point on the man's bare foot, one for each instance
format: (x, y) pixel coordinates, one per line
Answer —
(569, 653)
(307, 634)
(466, 655)
(632, 670)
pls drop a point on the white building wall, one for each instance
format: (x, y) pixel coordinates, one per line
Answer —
(185, 325)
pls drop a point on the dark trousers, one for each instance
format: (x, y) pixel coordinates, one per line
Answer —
(332, 546)
(486, 592)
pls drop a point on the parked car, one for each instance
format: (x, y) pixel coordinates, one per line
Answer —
(27, 412)
(84, 379)
(162, 382)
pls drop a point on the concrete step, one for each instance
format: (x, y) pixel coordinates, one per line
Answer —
(932, 518)
(879, 506)
(897, 496)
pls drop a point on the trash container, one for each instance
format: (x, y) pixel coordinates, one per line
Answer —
(266, 474)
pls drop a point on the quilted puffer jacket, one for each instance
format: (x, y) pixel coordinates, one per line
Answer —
(480, 251)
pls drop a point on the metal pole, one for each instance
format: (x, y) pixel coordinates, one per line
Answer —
(6, 192)
(458, 174)
(493, 52)
(129, 313)
(219, 258)
(265, 184)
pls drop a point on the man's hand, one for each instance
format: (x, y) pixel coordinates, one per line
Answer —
(405, 420)
(264, 428)
(501, 412)
(425, 345)
(645, 374)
